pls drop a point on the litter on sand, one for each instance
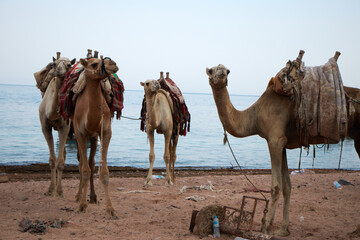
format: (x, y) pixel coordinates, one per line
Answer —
(157, 177)
(301, 171)
(40, 227)
(344, 182)
(207, 186)
(195, 198)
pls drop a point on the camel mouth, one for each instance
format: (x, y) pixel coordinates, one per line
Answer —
(222, 76)
(60, 73)
(111, 67)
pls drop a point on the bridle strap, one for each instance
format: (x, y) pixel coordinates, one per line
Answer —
(103, 69)
(216, 86)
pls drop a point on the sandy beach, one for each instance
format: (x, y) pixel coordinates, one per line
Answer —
(318, 210)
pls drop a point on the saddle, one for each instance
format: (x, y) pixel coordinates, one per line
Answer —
(75, 83)
(319, 99)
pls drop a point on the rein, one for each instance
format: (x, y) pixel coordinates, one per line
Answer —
(101, 136)
(226, 140)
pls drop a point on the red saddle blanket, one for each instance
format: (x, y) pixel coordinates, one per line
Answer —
(66, 104)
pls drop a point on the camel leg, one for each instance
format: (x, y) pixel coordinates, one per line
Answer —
(173, 146)
(60, 164)
(286, 184)
(47, 131)
(93, 197)
(276, 154)
(78, 195)
(167, 136)
(150, 134)
(104, 174)
(85, 171)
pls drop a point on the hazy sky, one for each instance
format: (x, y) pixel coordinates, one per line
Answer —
(254, 39)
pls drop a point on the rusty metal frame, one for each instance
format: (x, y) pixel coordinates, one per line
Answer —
(239, 217)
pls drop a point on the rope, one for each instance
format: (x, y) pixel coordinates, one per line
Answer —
(130, 118)
(101, 137)
(300, 158)
(342, 142)
(227, 140)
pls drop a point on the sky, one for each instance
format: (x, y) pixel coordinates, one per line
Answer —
(254, 39)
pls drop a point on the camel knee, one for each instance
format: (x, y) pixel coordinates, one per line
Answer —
(85, 176)
(104, 178)
(52, 162)
(151, 157)
(61, 166)
(167, 158)
(275, 193)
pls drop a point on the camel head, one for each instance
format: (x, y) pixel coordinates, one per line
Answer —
(62, 66)
(150, 86)
(218, 76)
(99, 68)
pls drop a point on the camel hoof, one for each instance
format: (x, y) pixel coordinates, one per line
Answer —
(111, 214)
(82, 208)
(283, 232)
(60, 195)
(93, 199)
(169, 182)
(147, 183)
(48, 193)
(51, 194)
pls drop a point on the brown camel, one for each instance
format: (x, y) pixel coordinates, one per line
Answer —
(271, 117)
(159, 109)
(51, 119)
(92, 119)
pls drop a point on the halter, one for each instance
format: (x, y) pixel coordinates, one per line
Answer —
(103, 69)
(224, 84)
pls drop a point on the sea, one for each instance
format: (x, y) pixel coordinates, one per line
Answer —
(22, 141)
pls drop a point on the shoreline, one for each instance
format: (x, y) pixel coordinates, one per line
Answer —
(41, 171)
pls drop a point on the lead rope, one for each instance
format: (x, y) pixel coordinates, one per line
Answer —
(226, 140)
(101, 137)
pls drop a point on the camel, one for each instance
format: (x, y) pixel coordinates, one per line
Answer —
(159, 117)
(92, 119)
(51, 119)
(271, 117)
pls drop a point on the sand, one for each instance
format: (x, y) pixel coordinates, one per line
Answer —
(318, 210)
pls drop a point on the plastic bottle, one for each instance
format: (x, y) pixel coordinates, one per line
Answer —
(337, 185)
(216, 227)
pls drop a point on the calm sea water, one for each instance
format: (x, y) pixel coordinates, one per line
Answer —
(22, 142)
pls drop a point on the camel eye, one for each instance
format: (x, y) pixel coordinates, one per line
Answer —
(147, 84)
(94, 65)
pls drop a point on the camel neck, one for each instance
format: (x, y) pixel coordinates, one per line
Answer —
(95, 96)
(151, 117)
(237, 123)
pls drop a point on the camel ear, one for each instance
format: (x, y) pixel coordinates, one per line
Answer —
(73, 61)
(142, 84)
(209, 71)
(54, 59)
(83, 62)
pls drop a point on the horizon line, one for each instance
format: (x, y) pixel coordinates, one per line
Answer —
(132, 90)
